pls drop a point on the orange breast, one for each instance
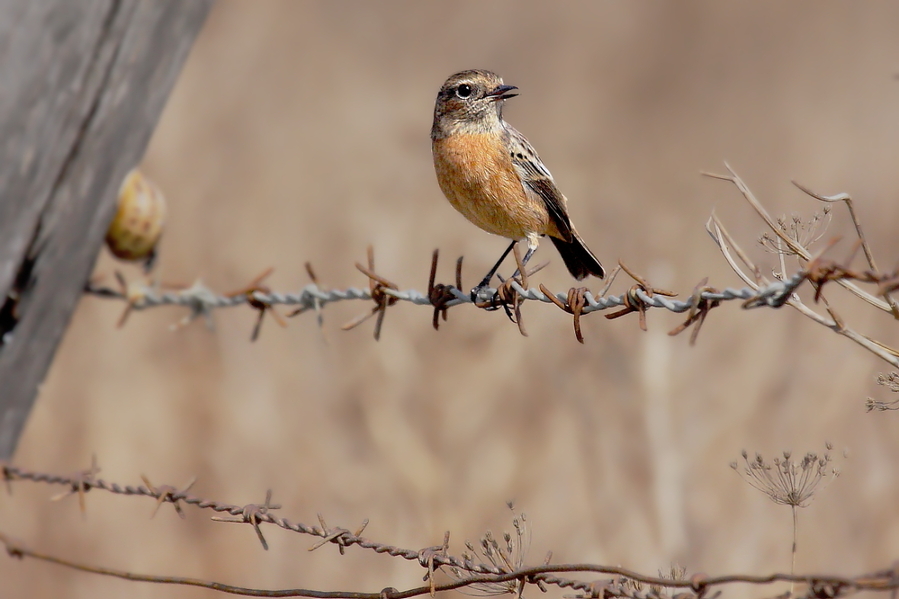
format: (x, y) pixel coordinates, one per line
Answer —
(476, 175)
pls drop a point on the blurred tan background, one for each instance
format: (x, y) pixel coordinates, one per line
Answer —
(299, 131)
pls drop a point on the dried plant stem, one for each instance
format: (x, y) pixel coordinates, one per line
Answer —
(734, 255)
(869, 256)
(793, 556)
(791, 482)
(799, 250)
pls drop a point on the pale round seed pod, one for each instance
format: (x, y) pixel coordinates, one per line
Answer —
(137, 226)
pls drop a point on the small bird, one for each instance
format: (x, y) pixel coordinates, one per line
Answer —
(492, 175)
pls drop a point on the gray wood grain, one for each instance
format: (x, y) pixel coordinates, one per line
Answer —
(82, 85)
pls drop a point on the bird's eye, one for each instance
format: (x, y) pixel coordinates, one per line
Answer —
(463, 91)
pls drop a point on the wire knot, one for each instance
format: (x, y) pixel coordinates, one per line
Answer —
(441, 295)
(578, 298)
(252, 294)
(378, 287)
(254, 514)
(342, 537)
(633, 302)
(700, 307)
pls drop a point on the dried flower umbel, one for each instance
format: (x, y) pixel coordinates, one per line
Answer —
(891, 382)
(789, 482)
(805, 232)
(506, 555)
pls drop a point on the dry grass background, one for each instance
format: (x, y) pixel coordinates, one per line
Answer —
(299, 131)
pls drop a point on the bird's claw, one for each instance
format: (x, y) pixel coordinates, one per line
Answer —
(476, 291)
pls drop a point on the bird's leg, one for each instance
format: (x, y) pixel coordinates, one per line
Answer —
(486, 281)
(524, 261)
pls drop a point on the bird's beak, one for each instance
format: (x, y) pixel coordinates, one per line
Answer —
(501, 93)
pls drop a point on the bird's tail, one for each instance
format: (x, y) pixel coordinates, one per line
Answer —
(578, 258)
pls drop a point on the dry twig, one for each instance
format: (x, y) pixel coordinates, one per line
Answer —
(815, 269)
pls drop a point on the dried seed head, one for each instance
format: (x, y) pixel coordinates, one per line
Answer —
(805, 232)
(788, 482)
(891, 382)
(495, 557)
(675, 572)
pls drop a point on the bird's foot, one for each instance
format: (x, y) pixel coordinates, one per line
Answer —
(484, 284)
(476, 292)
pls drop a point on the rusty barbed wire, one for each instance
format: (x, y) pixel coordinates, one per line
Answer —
(623, 583)
(785, 239)
(202, 301)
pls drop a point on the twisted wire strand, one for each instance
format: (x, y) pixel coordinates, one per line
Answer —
(202, 300)
(625, 583)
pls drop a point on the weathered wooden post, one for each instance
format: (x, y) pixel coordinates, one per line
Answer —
(82, 85)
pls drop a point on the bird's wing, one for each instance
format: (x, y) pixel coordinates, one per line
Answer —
(536, 178)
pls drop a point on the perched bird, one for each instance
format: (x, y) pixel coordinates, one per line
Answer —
(492, 175)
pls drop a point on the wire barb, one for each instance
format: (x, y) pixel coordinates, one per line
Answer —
(578, 299)
(256, 302)
(700, 308)
(427, 559)
(254, 514)
(441, 295)
(336, 535)
(80, 483)
(168, 493)
(638, 298)
(379, 292)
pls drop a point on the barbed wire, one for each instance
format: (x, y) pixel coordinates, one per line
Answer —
(624, 583)
(201, 301)
(467, 571)
(786, 238)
